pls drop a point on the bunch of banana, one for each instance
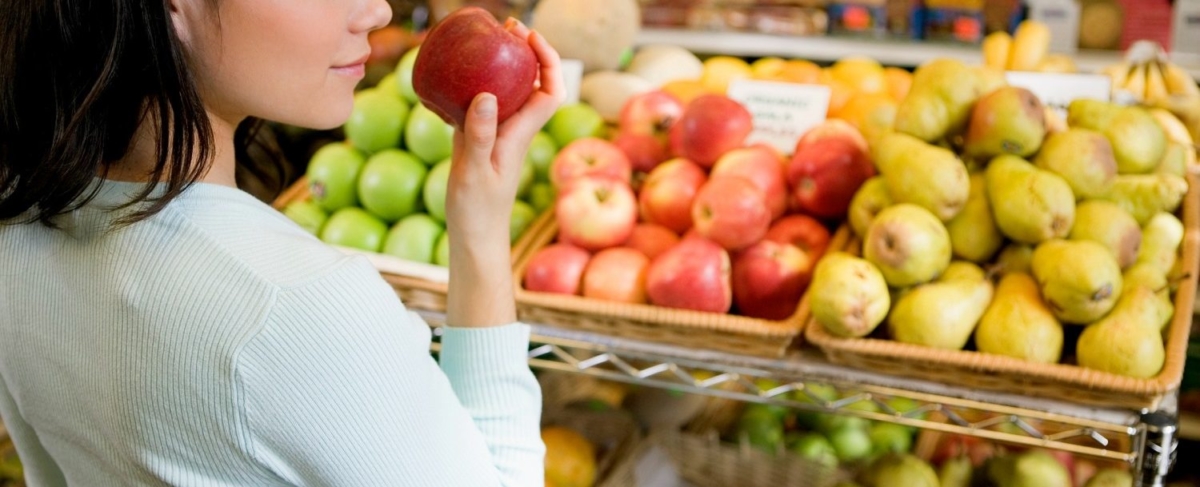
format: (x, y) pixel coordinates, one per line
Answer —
(1146, 76)
(1027, 50)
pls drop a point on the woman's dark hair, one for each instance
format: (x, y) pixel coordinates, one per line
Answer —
(77, 78)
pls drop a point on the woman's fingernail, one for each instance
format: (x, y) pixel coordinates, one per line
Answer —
(486, 106)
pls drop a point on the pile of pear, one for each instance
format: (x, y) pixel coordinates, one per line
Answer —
(995, 225)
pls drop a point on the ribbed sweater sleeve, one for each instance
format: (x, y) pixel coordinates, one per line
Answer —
(339, 388)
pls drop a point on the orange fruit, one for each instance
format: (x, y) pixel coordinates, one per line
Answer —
(899, 82)
(685, 90)
(800, 71)
(872, 114)
(721, 70)
(863, 75)
(570, 458)
(840, 92)
(768, 68)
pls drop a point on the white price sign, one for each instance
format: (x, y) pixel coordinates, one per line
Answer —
(782, 112)
(1059, 90)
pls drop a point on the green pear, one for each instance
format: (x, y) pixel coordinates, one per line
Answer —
(1138, 140)
(1016, 257)
(908, 244)
(962, 270)
(848, 295)
(1145, 195)
(1009, 120)
(1110, 477)
(1079, 279)
(1107, 224)
(956, 472)
(1034, 468)
(1161, 238)
(1129, 340)
(922, 174)
(1019, 324)
(1174, 160)
(900, 470)
(1091, 114)
(1084, 158)
(1147, 275)
(939, 103)
(941, 314)
(973, 232)
(872, 197)
(1030, 205)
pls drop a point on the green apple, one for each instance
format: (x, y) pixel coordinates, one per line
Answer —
(428, 136)
(389, 85)
(541, 196)
(522, 216)
(414, 238)
(404, 72)
(815, 447)
(435, 190)
(355, 228)
(441, 256)
(541, 153)
(526, 180)
(377, 121)
(390, 184)
(333, 176)
(575, 121)
(308, 214)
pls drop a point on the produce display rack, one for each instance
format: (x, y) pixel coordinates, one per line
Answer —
(890, 52)
(1146, 440)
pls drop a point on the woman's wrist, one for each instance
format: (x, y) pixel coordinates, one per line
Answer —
(481, 284)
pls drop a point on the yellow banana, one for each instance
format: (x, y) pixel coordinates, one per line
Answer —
(1156, 88)
(1173, 126)
(1136, 84)
(996, 47)
(1057, 63)
(1178, 81)
(1029, 46)
(1118, 73)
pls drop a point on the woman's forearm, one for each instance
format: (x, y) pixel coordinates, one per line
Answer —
(481, 286)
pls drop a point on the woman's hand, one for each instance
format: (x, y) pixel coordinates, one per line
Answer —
(484, 176)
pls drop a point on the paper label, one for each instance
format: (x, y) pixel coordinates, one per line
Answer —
(572, 70)
(1059, 90)
(782, 112)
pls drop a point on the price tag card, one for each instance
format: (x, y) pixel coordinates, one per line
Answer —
(782, 112)
(572, 70)
(1058, 90)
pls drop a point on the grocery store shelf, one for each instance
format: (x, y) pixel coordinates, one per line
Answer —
(1008, 418)
(890, 52)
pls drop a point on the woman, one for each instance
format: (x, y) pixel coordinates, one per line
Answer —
(160, 327)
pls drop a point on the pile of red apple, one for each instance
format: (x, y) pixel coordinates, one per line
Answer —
(679, 211)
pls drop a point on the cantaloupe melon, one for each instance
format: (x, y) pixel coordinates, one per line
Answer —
(595, 32)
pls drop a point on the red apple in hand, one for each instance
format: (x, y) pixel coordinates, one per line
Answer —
(556, 269)
(803, 232)
(732, 212)
(469, 53)
(596, 212)
(667, 194)
(763, 167)
(651, 113)
(693, 275)
(769, 278)
(617, 274)
(589, 157)
(825, 174)
(652, 240)
(710, 126)
(645, 152)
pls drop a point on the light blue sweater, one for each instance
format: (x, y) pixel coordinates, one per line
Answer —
(217, 344)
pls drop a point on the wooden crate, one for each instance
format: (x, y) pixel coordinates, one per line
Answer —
(1067, 382)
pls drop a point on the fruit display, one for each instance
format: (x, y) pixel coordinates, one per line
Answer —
(678, 211)
(1147, 76)
(964, 461)
(570, 458)
(987, 231)
(383, 189)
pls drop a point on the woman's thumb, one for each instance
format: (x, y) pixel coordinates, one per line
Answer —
(480, 130)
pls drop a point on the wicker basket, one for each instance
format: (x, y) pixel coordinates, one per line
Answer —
(643, 322)
(1056, 381)
(704, 461)
(417, 292)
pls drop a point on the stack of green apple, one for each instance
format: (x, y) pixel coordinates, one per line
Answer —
(825, 438)
(384, 188)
